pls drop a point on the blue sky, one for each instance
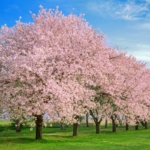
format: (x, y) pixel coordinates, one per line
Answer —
(126, 23)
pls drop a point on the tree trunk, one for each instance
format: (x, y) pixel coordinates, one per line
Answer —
(142, 123)
(120, 122)
(106, 123)
(62, 126)
(97, 123)
(127, 126)
(17, 124)
(113, 125)
(97, 127)
(87, 120)
(146, 126)
(39, 125)
(137, 126)
(75, 129)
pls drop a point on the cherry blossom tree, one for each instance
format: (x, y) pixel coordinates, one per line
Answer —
(48, 65)
(120, 90)
(130, 89)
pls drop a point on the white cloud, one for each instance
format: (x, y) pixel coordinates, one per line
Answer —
(139, 50)
(145, 26)
(132, 11)
(129, 10)
(143, 56)
(142, 52)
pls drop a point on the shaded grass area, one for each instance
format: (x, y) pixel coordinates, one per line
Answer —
(56, 139)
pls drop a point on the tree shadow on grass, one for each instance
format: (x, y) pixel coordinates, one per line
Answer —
(22, 140)
(29, 140)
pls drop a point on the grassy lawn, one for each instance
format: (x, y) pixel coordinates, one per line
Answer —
(55, 139)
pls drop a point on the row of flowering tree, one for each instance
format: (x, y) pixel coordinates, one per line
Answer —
(61, 66)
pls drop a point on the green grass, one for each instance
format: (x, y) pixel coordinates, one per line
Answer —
(55, 139)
